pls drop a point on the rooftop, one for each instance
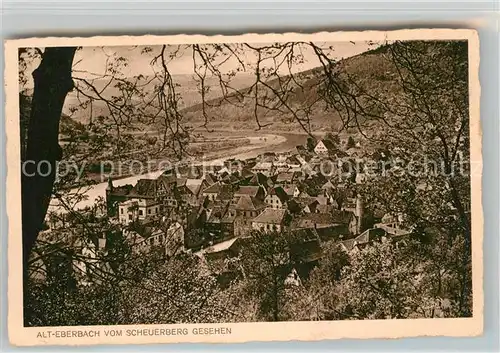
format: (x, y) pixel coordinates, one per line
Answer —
(270, 216)
(247, 190)
(248, 203)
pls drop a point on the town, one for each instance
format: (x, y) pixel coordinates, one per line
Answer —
(211, 211)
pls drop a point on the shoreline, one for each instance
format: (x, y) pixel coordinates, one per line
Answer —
(256, 146)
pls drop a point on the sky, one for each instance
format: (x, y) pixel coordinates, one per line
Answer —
(93, 59)
(90, 62)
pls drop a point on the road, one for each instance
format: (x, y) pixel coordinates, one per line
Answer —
(257, 145)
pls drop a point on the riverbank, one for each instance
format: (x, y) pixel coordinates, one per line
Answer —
(257, 145)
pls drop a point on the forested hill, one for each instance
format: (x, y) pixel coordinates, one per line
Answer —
(372, 68)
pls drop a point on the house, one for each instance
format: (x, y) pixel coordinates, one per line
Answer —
(270, 220)
(349, 246)
(328, 209)
(254, 191)
(277, 198)
(293, 279)
(222, 250)
(91, 266)
(227, 224)
(394, 234)
(245, 174)
(292, 190)
(214, 222)
(210, 178)
(268, 157)
(174, 242)
(393, 220)
(145, 189)
(293, 162)
(260, 179)
(307, 246)
(368, 237)
(324, 147)
(310, 205)
(166, 190)
(328, 187)
(190, 190)
(245, 210)
(313, 220)
(213, 191)
(285, 178)
(265, 168)
(229, 178)
(348, 219)
(169, 237)
(331, 232)
(353, 152)
(115, 195)
(325, 199)
(138, 210)
(300, 149)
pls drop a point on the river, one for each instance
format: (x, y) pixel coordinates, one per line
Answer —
(257, 145)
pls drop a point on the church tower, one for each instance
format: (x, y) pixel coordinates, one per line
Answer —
(359, 212)
(109, 198)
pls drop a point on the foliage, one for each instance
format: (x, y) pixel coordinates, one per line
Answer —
(311, 143)
(413, 106)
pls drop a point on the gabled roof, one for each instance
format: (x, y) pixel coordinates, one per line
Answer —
(305, 201)
(145, 188)
(293, 160)
(122, 190)
(391, 231)
(263, 165)
(290, 189)
(341, 217)
(259, 179)
(369, 235)
(314, 219)
(248, 203)
(226, 193)
(329, 232)
(312, 203)
(301, 148)
(282, 177)
(213, 189)
(251, 190)
(305, 234)
(223, 246)
(167, 179)
(328, 186)
(231, 178)
(180, 182)
(328, 144)
(246, 173)
(210, 178)
(322, 199)
(279, 192)
(194, 185)
(215, 214)
(348, 244)
(270, 216)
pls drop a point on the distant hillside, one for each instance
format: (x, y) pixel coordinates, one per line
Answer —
(238, 110)
(186, 88)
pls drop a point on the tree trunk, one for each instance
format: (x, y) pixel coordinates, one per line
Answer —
(52, 82)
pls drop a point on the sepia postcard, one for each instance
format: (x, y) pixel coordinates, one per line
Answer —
(259, 187)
